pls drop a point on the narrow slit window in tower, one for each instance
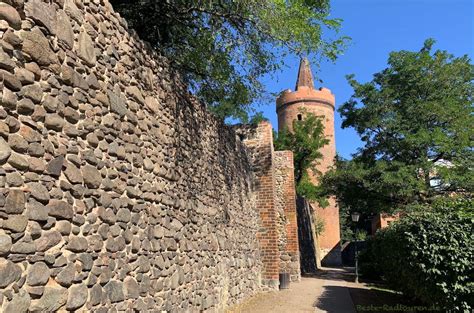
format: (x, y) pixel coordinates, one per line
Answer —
(300, 117)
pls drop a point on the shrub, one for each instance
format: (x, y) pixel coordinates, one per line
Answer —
(428, 256)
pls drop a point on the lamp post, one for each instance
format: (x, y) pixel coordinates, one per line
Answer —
(355, 218)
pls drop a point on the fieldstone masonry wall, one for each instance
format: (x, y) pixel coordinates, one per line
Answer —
(118, 191)
(286, 212)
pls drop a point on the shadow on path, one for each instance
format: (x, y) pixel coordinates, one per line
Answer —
(375, 300)
(329, 290)
(331, 300)
(333, 273)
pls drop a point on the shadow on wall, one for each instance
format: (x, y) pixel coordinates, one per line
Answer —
(305, 237)
(348, 251)
(188, 105)
(333, 257)
(310, 255)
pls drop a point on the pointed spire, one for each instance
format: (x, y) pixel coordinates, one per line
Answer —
(305, 77)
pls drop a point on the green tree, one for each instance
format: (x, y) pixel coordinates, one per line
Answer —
(415, 118)
(305, 141)
(375, 186)
(222, 48)
(346, 225)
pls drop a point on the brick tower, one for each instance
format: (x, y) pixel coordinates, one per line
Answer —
(321, 103)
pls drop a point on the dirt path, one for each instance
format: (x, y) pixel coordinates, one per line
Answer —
(325, 292)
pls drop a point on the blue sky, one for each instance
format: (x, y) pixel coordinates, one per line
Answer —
(378, 27)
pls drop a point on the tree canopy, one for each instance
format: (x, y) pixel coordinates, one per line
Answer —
(415, 119)
(305, 141)
(222, 48)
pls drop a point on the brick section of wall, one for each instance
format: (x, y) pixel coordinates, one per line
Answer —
(286, 209)
(259, 141)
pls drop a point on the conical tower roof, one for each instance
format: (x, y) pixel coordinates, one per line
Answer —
(305, 93)
(305, 76)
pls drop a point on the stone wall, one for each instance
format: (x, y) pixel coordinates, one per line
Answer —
(286, 211)
(118, 190)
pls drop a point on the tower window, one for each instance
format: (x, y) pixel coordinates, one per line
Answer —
(300, 117)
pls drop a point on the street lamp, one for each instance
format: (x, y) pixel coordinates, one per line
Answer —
(355, 218)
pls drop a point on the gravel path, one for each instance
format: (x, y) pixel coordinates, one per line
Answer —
(325, 292)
